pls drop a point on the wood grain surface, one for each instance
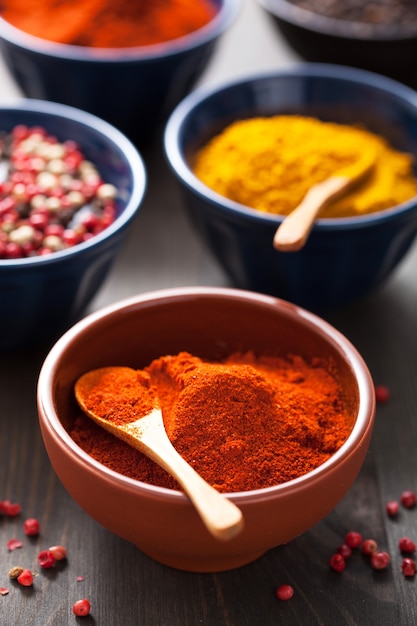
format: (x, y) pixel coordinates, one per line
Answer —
(125, 587)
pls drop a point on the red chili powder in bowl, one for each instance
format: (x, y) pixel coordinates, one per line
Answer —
(108, 24)
(244, 423)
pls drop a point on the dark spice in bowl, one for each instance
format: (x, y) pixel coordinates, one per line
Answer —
(378, 35)
(400, 12)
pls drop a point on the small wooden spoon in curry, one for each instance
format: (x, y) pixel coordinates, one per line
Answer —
(293, 232)
(147, 434)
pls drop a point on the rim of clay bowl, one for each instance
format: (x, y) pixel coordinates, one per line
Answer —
(221, 21)
(336, 27)
(184, 110)
(121, 142)
(363, 424)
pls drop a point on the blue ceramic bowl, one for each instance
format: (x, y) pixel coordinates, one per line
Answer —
(344, 258)
(41, 296)
(132, 88)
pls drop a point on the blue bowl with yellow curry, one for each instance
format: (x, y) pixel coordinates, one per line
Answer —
(346, 257)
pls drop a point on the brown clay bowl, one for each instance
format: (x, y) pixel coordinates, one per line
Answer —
(209, 322)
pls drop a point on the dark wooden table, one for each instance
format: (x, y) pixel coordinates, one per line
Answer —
(125, 587)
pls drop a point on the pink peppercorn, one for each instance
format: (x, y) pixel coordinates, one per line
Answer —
(70, 237)
(353, 539)
(58, 552)
(48, 181)
(14, 544)
(11, 509)
(380, 560)
(81, 607)
(284, 592)
(46, 559)
(392, 508)
(54, 229)
(382, 394)
(407, 545)
(25, 578)
(38, 220)
(369, 546)
(31, 527)
(20, 131)
(337, 562)
(408, 567)
(344, 550)
(408, 499)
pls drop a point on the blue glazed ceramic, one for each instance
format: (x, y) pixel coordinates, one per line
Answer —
(41, 296)
(344, 258)
(132, 88)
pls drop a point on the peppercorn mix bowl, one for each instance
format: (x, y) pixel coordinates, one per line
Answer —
(381, 37)
(345, 258)
(61, 229)
(210, 323)
(134, 88)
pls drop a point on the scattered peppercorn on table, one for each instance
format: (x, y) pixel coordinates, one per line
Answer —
(98, 578)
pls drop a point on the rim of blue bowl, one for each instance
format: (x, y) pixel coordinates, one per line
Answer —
(364, 420)
(225, 15)
(123, 144)
(322, 24)
(179, 116)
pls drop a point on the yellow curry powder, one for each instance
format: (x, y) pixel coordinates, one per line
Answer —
(269, 164)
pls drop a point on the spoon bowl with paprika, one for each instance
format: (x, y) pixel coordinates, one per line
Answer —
(143, 428)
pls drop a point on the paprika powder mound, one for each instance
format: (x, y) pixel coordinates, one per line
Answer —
(108, 24)
(245, 423)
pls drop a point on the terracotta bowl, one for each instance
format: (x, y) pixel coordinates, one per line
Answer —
(209, 322)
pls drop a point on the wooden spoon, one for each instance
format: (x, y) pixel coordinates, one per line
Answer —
(222, 518)
(293, 232)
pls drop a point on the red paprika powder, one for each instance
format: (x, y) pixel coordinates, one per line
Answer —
(244, 423)
(108, 23)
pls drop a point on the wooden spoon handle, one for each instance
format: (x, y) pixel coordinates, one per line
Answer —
(221, 517)
(293, 232)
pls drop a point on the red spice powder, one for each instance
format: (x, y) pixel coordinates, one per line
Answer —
(108, 23)
(246, 423)
(121, 398)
